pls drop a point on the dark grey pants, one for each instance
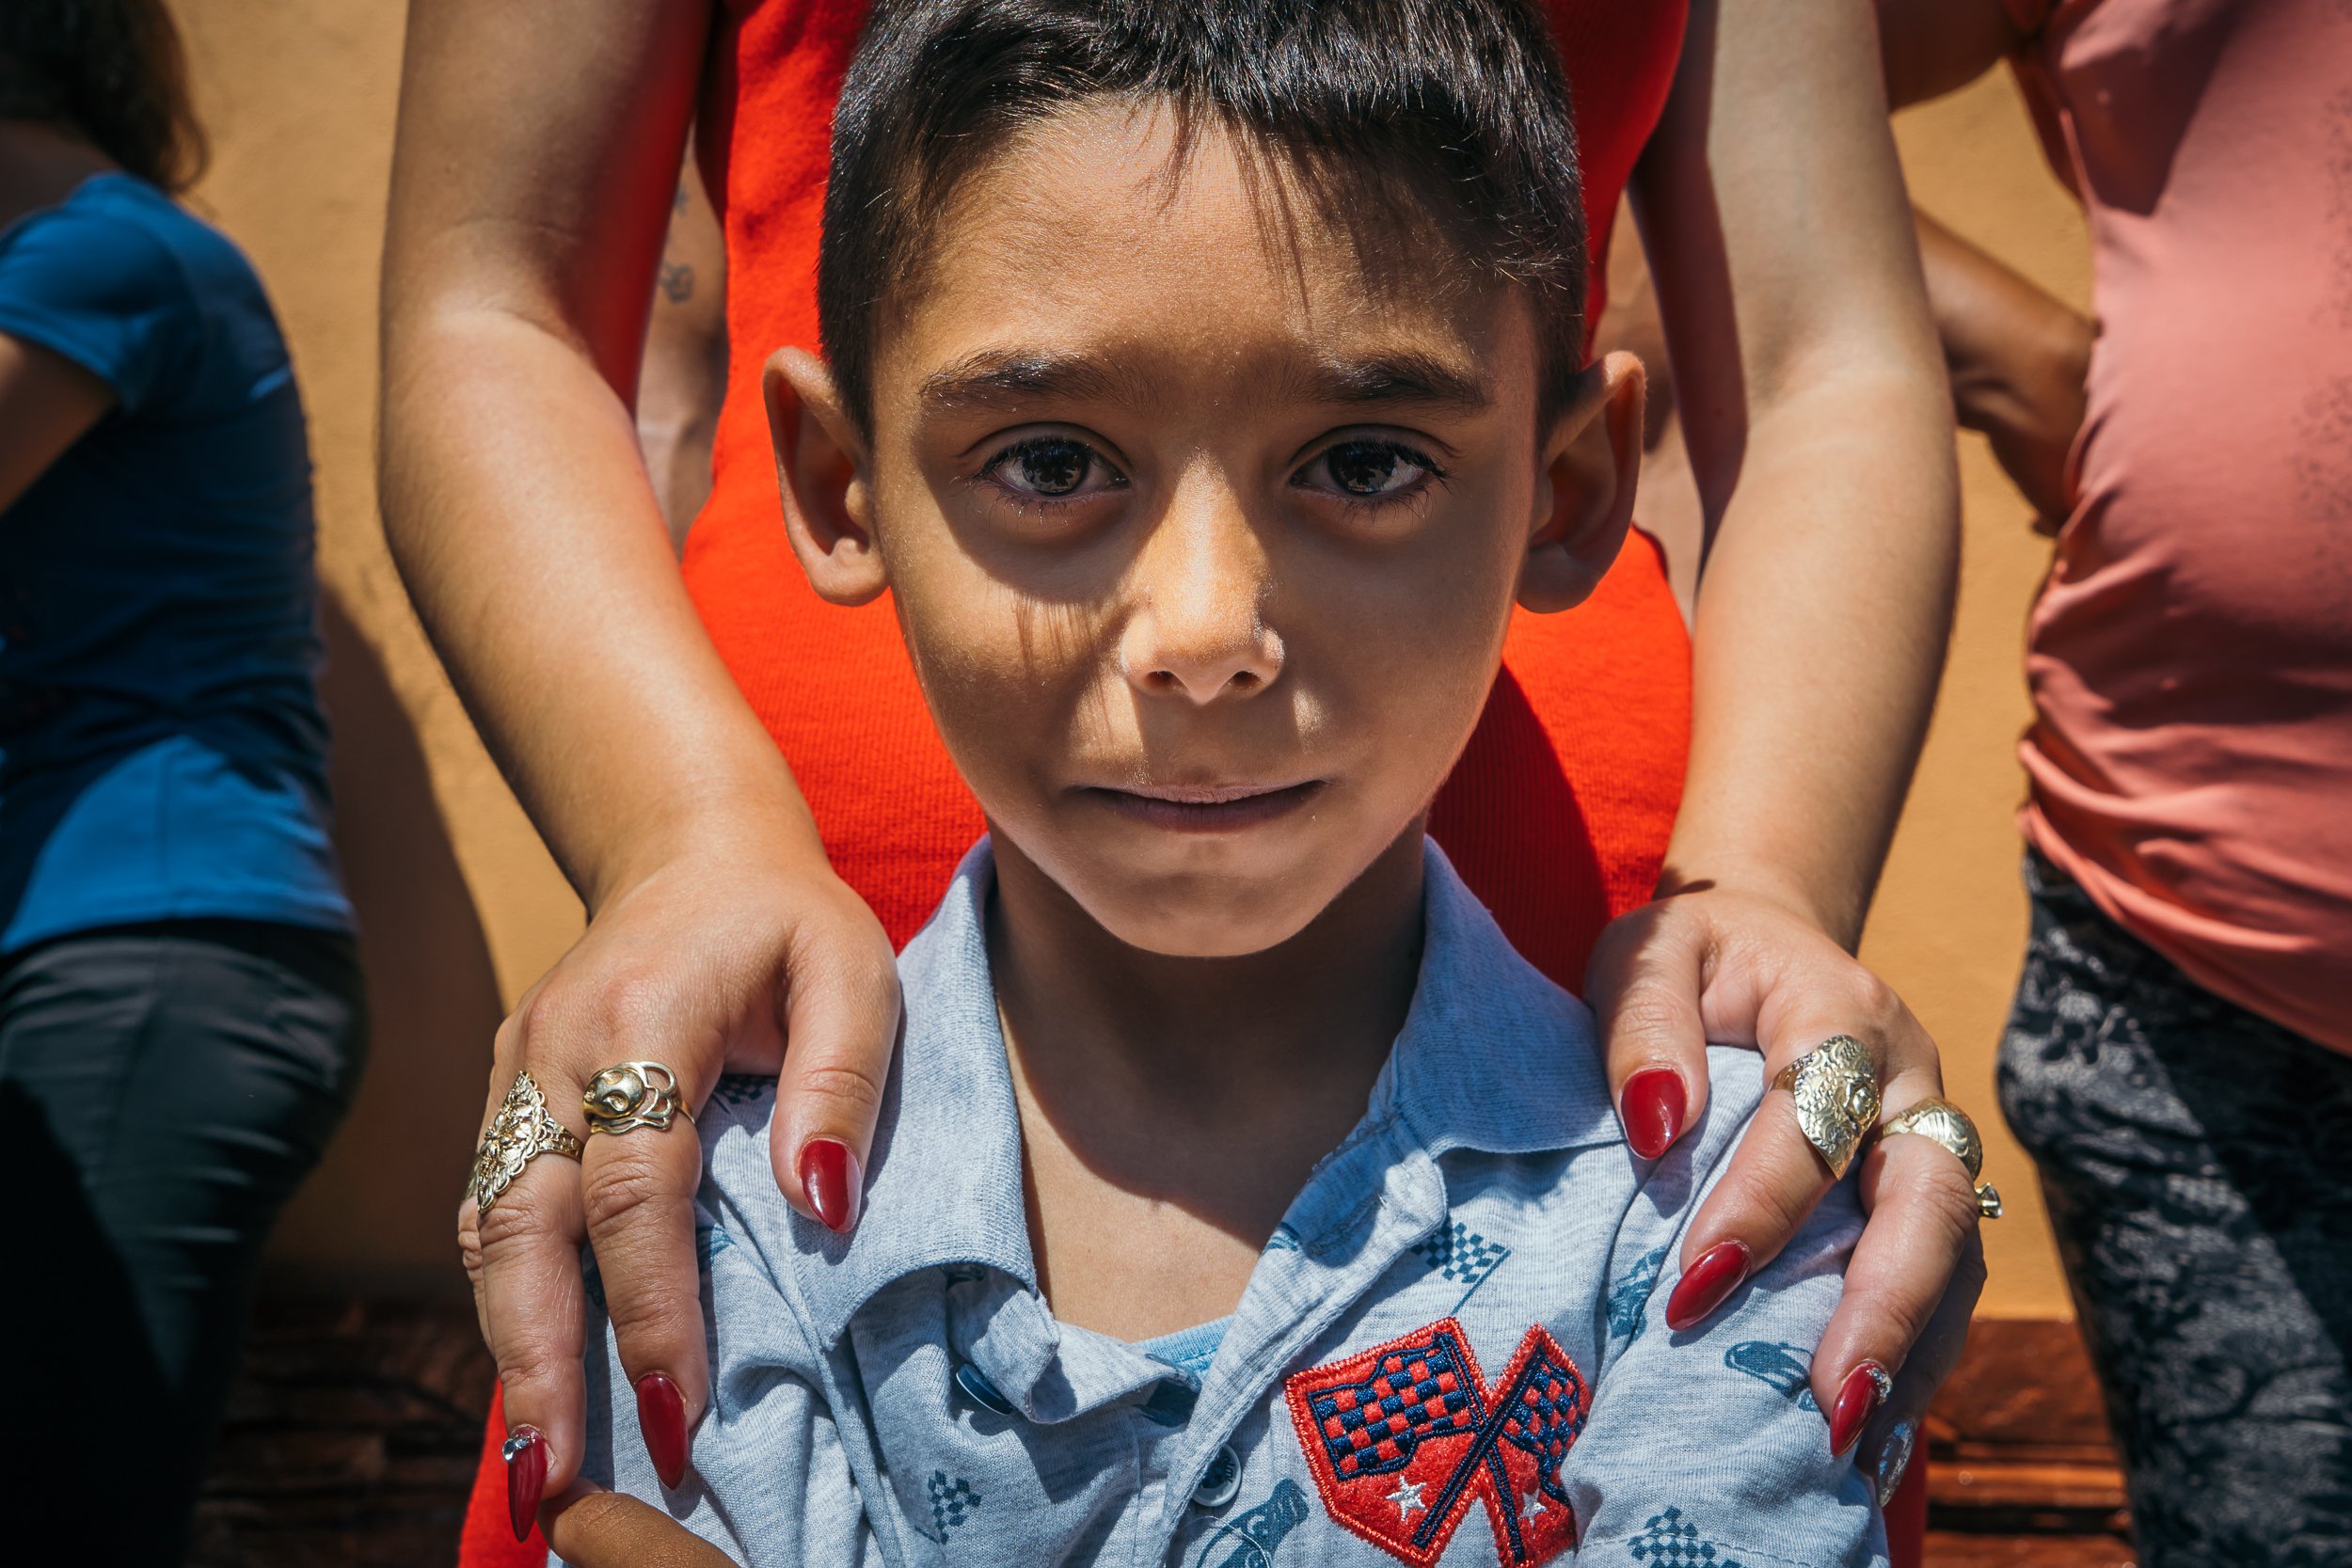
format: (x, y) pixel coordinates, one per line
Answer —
(162, 1090)
(2197, 1162)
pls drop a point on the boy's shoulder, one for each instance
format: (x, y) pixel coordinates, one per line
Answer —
(944, 1181)
(1494, 1061)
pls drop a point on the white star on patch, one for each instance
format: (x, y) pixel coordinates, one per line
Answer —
(1531, 1505)
(1408, 1497)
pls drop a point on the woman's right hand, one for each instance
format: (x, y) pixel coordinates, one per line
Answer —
(730, 958)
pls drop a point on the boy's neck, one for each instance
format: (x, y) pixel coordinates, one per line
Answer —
(1180, 1103)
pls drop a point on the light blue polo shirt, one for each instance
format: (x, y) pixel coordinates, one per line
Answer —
(1453, 1350)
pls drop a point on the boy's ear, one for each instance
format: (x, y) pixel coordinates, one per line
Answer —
(1592, 455)
(821, 471)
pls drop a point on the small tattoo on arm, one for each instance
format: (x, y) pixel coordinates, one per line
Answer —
(677, 282)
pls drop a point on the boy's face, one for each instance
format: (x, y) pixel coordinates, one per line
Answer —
(1203, 544)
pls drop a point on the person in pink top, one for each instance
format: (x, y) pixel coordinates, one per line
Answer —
(2179, 1059)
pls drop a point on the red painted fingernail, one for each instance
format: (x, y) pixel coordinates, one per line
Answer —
(1652, 1107)
(526, 1477)
(830, 1177)
(1865, 1387)
(1705, 1283)
(661, 1420)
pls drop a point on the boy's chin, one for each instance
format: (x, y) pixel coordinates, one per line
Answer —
(1234, 923)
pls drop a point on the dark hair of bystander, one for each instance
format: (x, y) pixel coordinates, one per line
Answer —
(113, 73)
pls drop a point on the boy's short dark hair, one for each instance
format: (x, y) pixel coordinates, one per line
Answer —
(1394, 116)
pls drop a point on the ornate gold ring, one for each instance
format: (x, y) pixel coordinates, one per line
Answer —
(1835, 1086)
(629, 1095)
(520, 1131)
(1940, 1121)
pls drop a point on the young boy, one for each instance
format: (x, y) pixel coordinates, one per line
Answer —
(1202, 380)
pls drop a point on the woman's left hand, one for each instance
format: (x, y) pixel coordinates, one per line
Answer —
(1737, 967)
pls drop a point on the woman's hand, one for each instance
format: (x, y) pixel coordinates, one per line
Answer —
(728, 960)
(1740, 969)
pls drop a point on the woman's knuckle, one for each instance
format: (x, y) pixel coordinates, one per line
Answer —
(1770, 1194)
(519, 1218)
(620, 1188)
(1646, 1011)
(528, 1363)
(507, 1043)
(1952, 1198)
(869, 981)
(653, 1318)
(842, 1088)
(844, 952)
(631, 998)
(543, 1018)
(1901, 1317)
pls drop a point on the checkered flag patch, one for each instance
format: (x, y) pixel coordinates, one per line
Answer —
(1670, 1541)
(1416, 1392)
(952, 1501)
(1549, 1414)
(1462, 1254)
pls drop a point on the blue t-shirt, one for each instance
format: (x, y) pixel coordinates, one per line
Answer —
(161, 752)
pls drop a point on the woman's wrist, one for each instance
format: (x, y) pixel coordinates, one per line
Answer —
(736, 825)
(1835, 912)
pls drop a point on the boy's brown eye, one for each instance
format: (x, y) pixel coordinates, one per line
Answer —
(1362, 468)
(1051, 466)
(1368, 470)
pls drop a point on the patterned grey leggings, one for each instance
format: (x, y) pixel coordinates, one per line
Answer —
(2197, 1162)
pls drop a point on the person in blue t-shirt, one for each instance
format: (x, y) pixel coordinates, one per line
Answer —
(181, 1014)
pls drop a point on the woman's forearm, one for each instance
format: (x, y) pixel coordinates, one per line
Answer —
(1815, 411)
(526, 224)
(1817, 641)
(528, 533)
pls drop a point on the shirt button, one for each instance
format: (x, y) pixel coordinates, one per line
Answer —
(1222, 1480)
(983, 1393)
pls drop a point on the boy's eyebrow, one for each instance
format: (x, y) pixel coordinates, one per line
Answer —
(1406, 377)
(1005, 378)
(997, 377)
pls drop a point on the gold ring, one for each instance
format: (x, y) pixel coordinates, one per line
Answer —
(629, 1095)
(1940, 1121)
(521, 1131)
(1835, 1086)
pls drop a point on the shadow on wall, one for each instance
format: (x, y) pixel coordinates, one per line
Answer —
(379, 1215)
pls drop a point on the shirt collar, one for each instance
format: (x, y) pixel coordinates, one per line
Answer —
(1493, 1057)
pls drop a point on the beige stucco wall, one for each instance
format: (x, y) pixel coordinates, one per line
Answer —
(462, 905)
(1948, 929)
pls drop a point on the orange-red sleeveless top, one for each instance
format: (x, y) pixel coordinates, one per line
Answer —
(1557, 815)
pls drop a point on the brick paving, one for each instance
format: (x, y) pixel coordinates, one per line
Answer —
(350, 1439)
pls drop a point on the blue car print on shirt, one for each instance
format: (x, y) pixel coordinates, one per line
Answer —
(1787, 1367)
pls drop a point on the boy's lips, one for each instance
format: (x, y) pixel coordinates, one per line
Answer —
(1206, 808)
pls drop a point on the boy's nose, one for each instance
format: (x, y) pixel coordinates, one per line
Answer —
(1198, 629)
